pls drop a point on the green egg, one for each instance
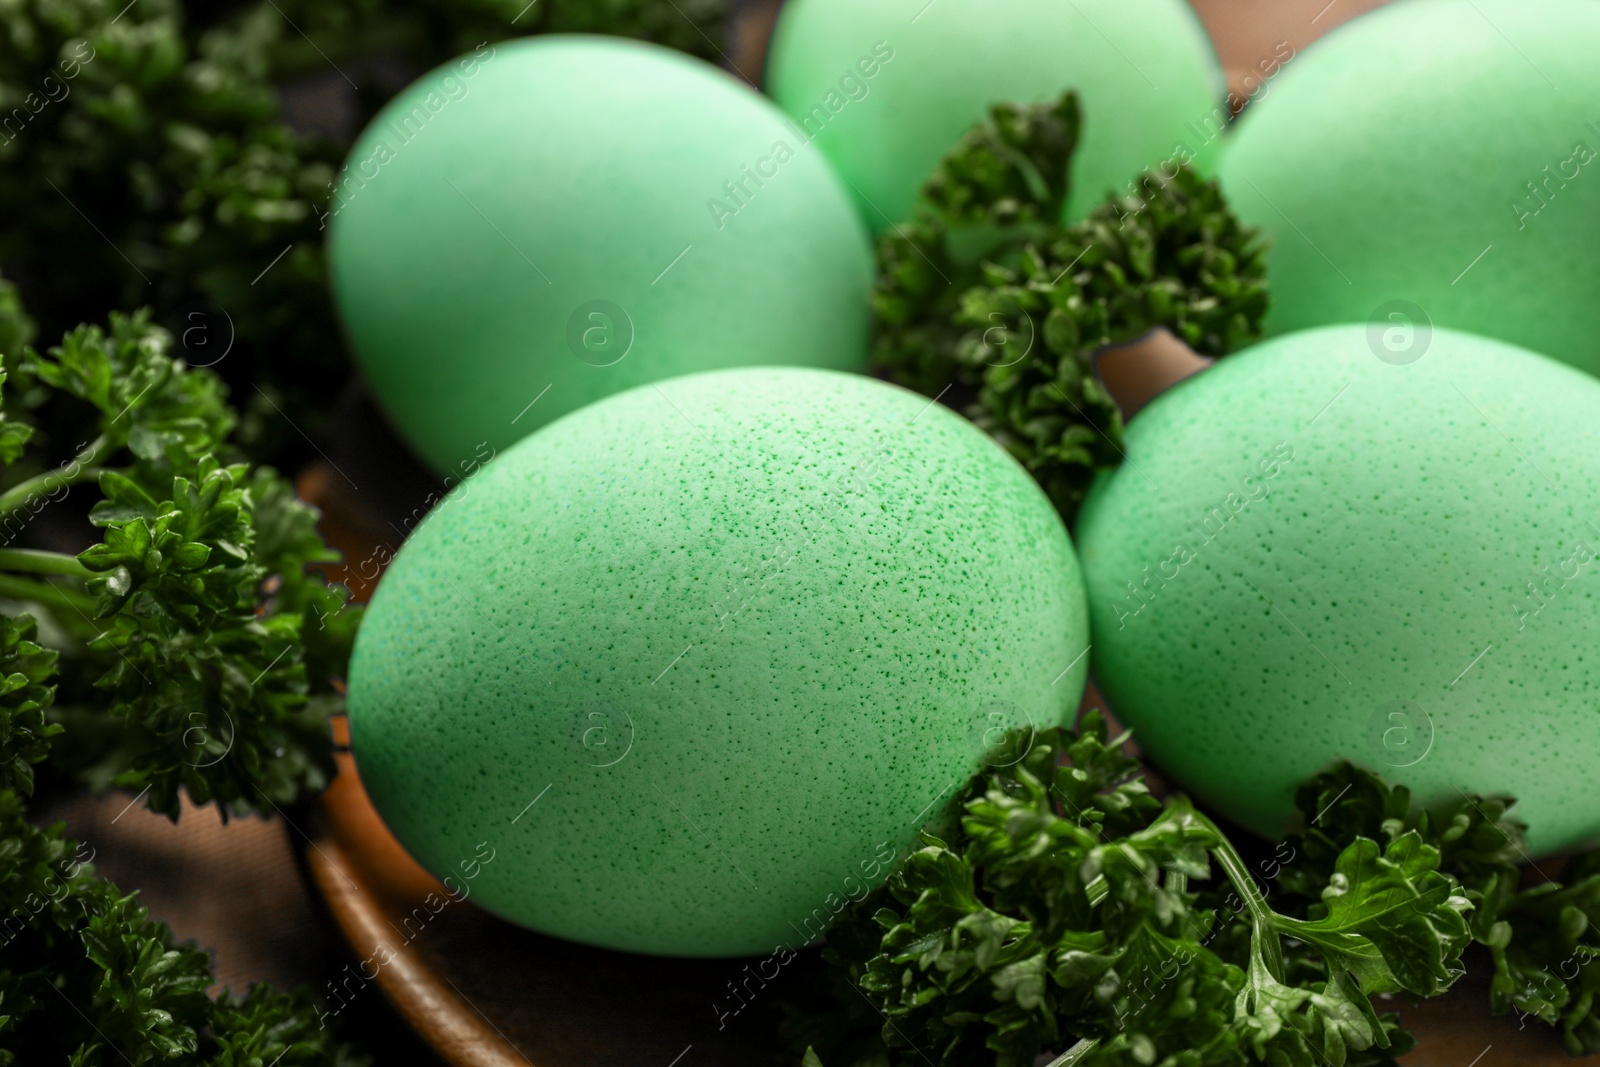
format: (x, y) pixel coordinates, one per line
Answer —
(1316, 553)
(887, 88)
(549, 221)
(1435, 161)
(697, 661)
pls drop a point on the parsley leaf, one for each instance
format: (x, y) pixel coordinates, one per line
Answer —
(1544, 940)
(16, 328)
(27, 677)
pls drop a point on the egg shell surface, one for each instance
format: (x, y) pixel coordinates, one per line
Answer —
(1314, 554)
(1435, 160)
(535, 226)
(886, 88)
(699, 660)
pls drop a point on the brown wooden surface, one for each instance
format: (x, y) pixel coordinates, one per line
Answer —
(1136, 373)
(201, 876)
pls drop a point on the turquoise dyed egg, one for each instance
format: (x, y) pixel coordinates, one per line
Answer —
(1316, 552)
(1434, 161)
(546, 222)
(697, 661)
(886, 88)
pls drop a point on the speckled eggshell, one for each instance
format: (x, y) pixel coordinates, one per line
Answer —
(1444, 153)
(697, 661)
(885, 88)
(549, 221)
(1333, 556)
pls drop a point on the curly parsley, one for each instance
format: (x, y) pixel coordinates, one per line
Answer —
(1063, 920)
(986, 294)
(204, 656)
(1544, 940)
(195, 613)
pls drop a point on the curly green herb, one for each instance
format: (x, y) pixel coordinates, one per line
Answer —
(988, 295)
(1544, 940)
(195, 614)
(1062, 920)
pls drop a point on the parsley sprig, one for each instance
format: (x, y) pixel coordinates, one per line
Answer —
(153, 168)
(1544, 939)
(86, 947)
(195, 614)
(197, 652)
(1075, 914)
(1063, 919)
(988, 295)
